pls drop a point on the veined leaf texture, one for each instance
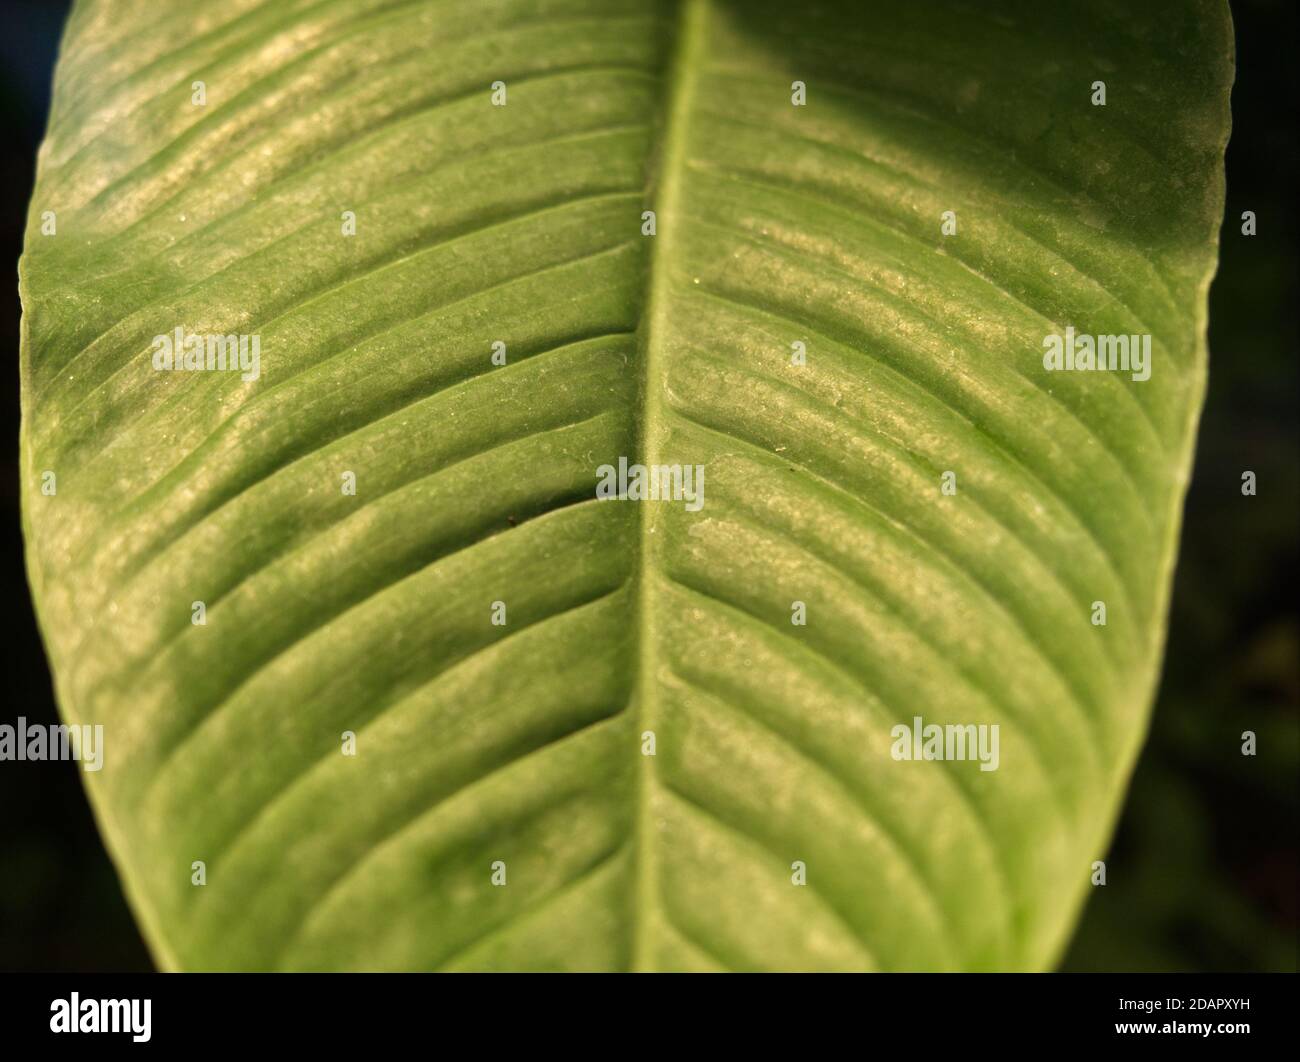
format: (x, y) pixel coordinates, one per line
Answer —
(385, 683)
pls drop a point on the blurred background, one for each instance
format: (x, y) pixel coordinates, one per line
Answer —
(1202, 874)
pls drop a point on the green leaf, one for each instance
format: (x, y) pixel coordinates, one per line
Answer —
(485, 750)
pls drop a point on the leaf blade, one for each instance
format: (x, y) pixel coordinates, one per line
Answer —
(776, 224)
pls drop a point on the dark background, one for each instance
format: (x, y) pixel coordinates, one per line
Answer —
(1203, 871)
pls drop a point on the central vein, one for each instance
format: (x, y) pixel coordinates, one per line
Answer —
(665, 186)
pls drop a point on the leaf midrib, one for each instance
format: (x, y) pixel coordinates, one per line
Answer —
(664, 187)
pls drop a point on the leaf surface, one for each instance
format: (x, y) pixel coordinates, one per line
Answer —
(516, 749)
